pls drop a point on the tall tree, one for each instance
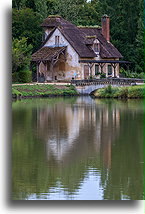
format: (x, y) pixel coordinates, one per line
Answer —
(18, 4)
(139, 42)
(125, 18)
(26, 23)
(69, 9)
(21, 54)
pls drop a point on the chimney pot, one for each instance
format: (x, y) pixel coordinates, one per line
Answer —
(106, 27)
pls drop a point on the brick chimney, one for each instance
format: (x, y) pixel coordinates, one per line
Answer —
(106, 27)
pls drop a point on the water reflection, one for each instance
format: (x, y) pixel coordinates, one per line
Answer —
(77, 148)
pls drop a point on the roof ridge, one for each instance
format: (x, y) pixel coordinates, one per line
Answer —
(90, 26)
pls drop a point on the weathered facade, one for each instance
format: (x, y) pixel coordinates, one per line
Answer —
(70, 52)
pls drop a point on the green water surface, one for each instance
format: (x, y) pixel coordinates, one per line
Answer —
(77, 149)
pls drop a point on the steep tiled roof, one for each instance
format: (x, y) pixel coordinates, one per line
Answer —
(71, 33)
(56, 21)
(81, 38)
(107, 48)
(77, 41)
(47, 53)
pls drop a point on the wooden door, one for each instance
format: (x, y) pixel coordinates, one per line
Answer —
(86, 71)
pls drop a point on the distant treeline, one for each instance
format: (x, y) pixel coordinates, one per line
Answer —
(127, 27)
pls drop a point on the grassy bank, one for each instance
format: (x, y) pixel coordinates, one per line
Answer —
(42, 90)
(120, 92)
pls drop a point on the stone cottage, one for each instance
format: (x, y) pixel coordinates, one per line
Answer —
(71, 52)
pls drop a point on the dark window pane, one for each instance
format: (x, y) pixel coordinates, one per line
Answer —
(96, 69)
(109, 70)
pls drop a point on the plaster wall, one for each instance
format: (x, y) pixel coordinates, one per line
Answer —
(72, 66)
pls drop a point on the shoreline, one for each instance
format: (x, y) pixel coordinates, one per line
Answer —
(24, 91)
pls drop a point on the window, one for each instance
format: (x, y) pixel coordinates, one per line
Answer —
(96, 47)
(45, 36)
(57, 40)
(109, 70)
(96, 69)
(86, 71)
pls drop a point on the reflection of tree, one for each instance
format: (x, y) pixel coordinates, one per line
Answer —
(126, 174)
(61, 139)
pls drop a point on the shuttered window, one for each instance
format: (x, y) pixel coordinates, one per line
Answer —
(57, 40)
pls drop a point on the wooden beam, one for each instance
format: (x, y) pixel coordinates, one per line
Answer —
(51, 68)
(114, 66)
(38, 71)
(101, 66)
(90, 66)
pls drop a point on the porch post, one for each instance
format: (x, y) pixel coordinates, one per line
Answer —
(51, 68)
(90, 66)
(101, 66)
(114, 66)
(45, 72)
(37, 79)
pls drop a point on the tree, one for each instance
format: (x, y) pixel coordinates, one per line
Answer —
(139, 42)
(21, 54)
(68, 9)
(26, 23)
(89, 13)
(18, 4)
(125, 18)
(36, 5)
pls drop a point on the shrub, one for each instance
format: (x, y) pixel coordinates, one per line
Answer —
(108, 89)
(136, 91)
(15, 77)
(102, 75)
(121, 92)
(130, 74)
(25, 76)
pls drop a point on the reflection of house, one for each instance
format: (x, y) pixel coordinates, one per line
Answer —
(71, 52)
(84, 126)
(60, 127)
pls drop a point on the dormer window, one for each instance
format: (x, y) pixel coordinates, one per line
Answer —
(57, 40)
(45, 35)
(96, 47)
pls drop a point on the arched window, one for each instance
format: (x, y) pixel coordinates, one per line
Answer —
(96, 47)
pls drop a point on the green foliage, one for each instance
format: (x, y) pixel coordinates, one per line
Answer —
(108, 89)
(15, 91)
(102, 75)
(21, 53)
(37, 6)
(18, 4)
(45, 90)
(129, 74)
(136, 91)
(127, 29)
(120, 92)
(69, 9)
(26, 23)
(89, 13)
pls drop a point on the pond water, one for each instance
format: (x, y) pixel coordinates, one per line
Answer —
(77, 148)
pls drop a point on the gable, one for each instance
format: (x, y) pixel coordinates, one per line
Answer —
(50, 40)
(70, 36)
(72, 55)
